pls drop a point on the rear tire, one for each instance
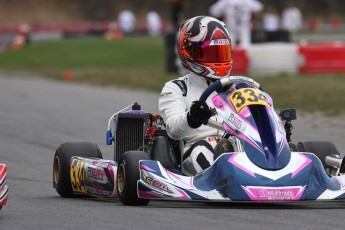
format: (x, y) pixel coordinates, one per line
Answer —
(62, 161)
(321, 149)
(128, 174)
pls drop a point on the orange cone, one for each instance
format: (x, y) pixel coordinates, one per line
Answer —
(68, 75)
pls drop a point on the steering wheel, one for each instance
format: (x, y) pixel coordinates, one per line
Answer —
(218, 85)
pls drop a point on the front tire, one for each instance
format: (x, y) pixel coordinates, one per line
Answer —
(62, 161)
(321, 149)
(128, 174)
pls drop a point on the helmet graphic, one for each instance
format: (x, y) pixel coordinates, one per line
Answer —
(204, 47)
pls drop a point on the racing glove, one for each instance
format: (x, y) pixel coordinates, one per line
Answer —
(198, 114)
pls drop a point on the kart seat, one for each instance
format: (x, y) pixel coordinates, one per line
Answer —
(166, 152)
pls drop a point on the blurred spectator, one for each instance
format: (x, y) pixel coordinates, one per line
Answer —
(21, 38)
(237, 16)
(292, 18)
(270, 20)
(176, 13)
(153, 23)
(113, 32)
(172, 61)
(127, 21)
(224, 10)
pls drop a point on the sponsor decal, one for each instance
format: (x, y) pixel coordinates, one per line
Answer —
(274, 193)
(157, 184)
(216, 139)
(235, 121)
(100, 164)
(219, 42)
(95, 173)
(77, 176)
(182, 85)
(165, 94)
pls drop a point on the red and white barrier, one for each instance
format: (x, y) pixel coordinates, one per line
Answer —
(241, 62)
(272, 58)
(322, 58)
(257, 59)
(276, 58)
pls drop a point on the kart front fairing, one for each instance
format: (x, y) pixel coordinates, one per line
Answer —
(263, 170)
(248, 114)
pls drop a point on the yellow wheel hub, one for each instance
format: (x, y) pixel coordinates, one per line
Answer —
(121, 175)
(56, 170)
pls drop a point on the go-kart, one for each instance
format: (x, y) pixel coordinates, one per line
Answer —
(266, 166)
(3, 185)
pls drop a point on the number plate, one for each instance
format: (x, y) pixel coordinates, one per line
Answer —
(247, 96)
(77, 176)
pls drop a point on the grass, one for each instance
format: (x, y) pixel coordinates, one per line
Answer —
(310, 93)
(132, 62)
(139, 63)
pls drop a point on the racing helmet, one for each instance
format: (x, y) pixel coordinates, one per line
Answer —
(204, 47)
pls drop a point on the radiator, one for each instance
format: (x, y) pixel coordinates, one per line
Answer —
(129, 134)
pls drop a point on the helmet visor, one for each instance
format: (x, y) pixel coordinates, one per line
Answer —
(211, 51)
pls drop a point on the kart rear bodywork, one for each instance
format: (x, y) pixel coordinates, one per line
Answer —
(92, 176)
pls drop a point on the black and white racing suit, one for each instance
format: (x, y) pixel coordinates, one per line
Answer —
(174, 102)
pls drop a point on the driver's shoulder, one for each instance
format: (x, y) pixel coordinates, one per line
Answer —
(180, 84)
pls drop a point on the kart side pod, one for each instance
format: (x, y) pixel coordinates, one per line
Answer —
(91, 176)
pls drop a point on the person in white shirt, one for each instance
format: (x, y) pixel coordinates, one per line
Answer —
(127, 21)
(292, 19)
(237, 16)
(153, 23)
(270, 20)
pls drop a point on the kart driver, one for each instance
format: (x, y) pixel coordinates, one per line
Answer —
(204, 48)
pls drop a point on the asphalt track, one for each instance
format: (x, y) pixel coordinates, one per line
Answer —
(37, 115)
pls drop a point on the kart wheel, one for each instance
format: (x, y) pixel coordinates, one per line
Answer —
(128, 175)
(293, 147)
(61, 165)
(342, 167)
(321, 149)
(223, 146)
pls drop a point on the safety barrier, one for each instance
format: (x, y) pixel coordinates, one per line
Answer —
(322, 58)
(272, 58)
(241, 62)
(275, 58)
(257, 59)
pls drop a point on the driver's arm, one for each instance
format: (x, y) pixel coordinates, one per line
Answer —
(173, 109)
